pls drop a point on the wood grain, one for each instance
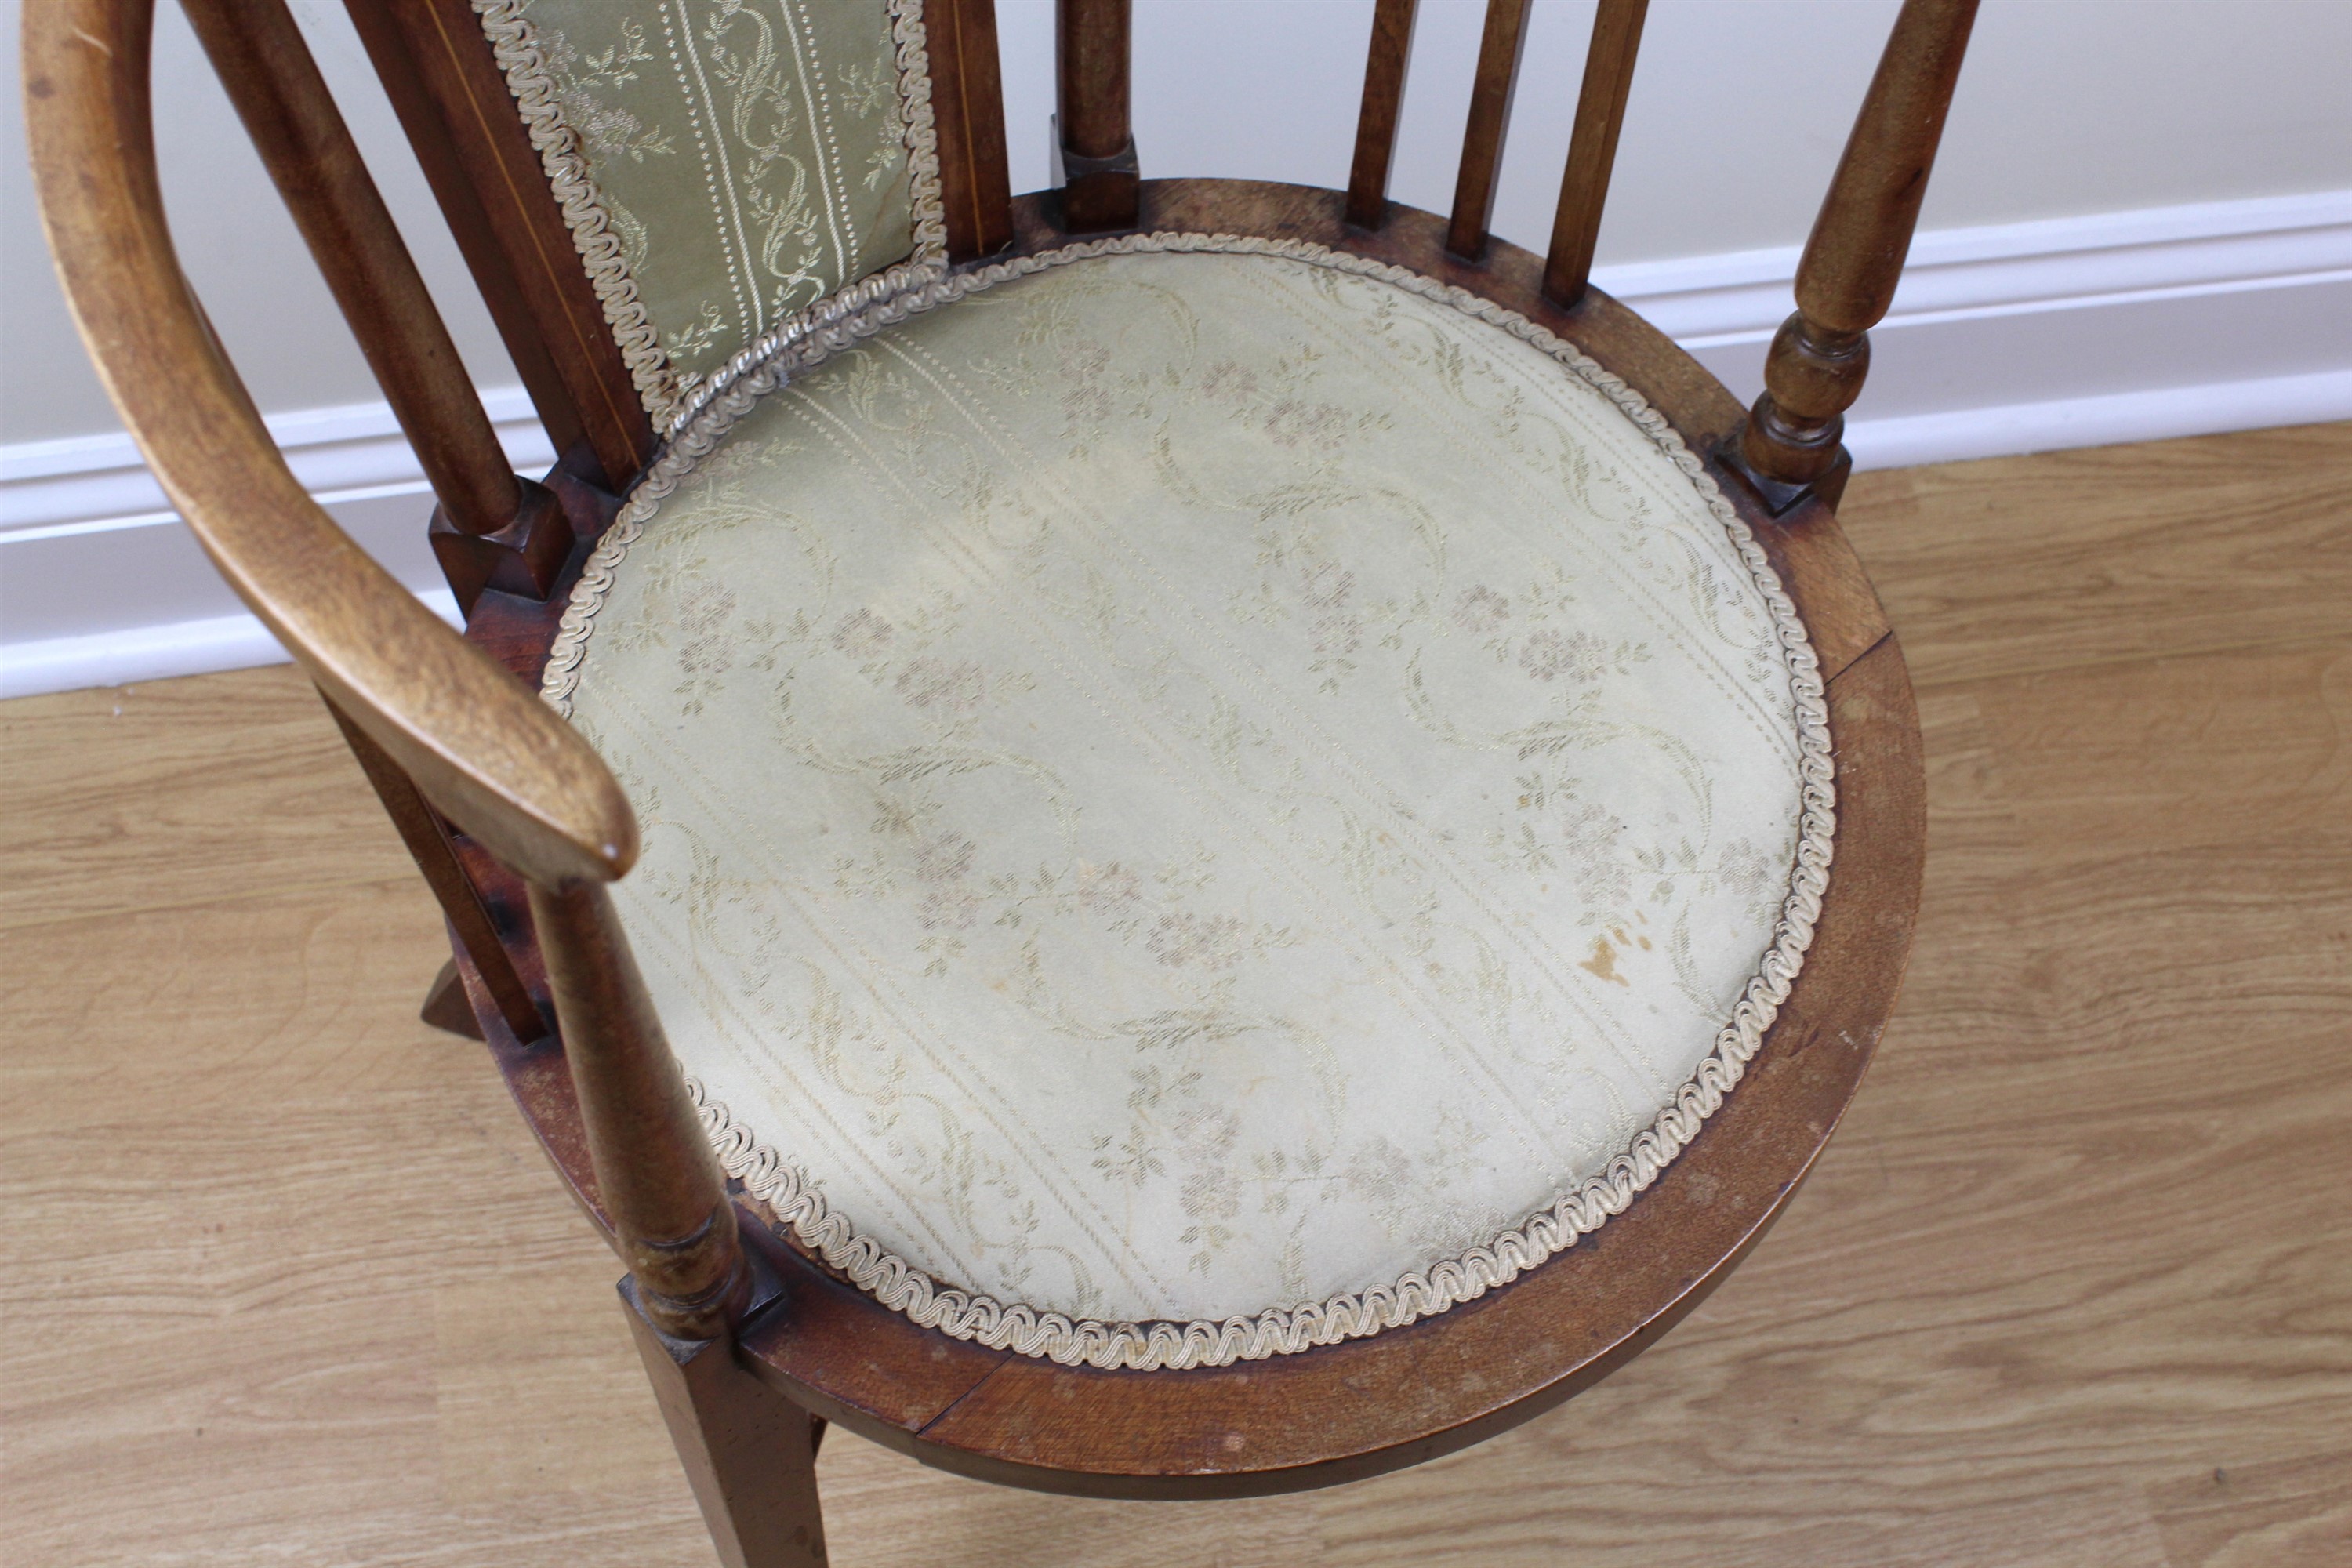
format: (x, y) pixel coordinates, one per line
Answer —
(438, 68)
(1592, 147)
(2173, 548)
(968, 105)
(1500, 45)
(2073, 1286)
(1376, 121)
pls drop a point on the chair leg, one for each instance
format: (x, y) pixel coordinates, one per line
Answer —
(748, 1452)
(473, 923)
(446, 1007)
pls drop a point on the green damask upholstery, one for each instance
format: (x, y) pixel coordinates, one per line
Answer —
(1200, 798)
(725, 165)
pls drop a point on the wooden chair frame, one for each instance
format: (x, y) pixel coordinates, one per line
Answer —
(518, 826)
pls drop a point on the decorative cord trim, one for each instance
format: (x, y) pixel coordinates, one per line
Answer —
(793, 1197)
(515, 47)
(928, 261)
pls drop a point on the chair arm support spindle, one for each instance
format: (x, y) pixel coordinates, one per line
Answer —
(655, 1175)
(1853, 259)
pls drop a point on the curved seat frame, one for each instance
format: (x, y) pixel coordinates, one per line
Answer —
(1344, 1412)
(1483, 1366)
(519, 825)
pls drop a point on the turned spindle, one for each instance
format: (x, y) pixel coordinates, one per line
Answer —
(656, 1176)
(1793, 442)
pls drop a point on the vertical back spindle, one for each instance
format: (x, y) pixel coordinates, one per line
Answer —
(968, 105)
(1376, 125)
(452, 99)
(1490, 116)
(1794, 438)
(1592, 149)
(493, 529)
(1095, 144)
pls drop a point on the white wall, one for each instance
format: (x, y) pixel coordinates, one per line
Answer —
(2066, 107)
(235, 242)
(2139, 202)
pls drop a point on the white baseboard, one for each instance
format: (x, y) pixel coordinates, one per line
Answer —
(2086, 262)
(2024, 337)
(132, 654)
(90, 484)
(99, 585)
(2157, 415)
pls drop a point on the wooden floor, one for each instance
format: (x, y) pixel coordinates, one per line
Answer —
(285, 1281)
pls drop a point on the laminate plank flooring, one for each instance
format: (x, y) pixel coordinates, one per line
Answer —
(286, 1281)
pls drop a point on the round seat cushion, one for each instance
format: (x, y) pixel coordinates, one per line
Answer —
(1200, 797)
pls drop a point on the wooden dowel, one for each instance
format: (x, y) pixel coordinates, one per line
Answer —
(1592, 149)
(1091, 62)
(1793, 440)
(487, 178)
(968, 103)
(1490, 116)
(1376, 124)
(262, 61)
(1097, 138)
(655, 1175)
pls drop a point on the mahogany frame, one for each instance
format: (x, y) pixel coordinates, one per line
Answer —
(519, 825)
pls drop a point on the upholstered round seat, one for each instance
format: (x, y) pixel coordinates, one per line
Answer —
(1200, 798)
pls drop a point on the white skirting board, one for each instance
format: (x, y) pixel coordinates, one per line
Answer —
(2028, 337)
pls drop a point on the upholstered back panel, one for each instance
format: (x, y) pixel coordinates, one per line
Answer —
(725, 165)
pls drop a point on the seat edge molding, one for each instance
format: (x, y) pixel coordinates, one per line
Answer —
(793, 1198)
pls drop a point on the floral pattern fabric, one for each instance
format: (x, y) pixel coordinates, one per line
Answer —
(746, 158)
(1189, 784)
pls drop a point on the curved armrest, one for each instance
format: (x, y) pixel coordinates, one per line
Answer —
(480, 747)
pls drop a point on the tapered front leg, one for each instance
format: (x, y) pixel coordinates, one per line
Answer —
(748, 1452)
